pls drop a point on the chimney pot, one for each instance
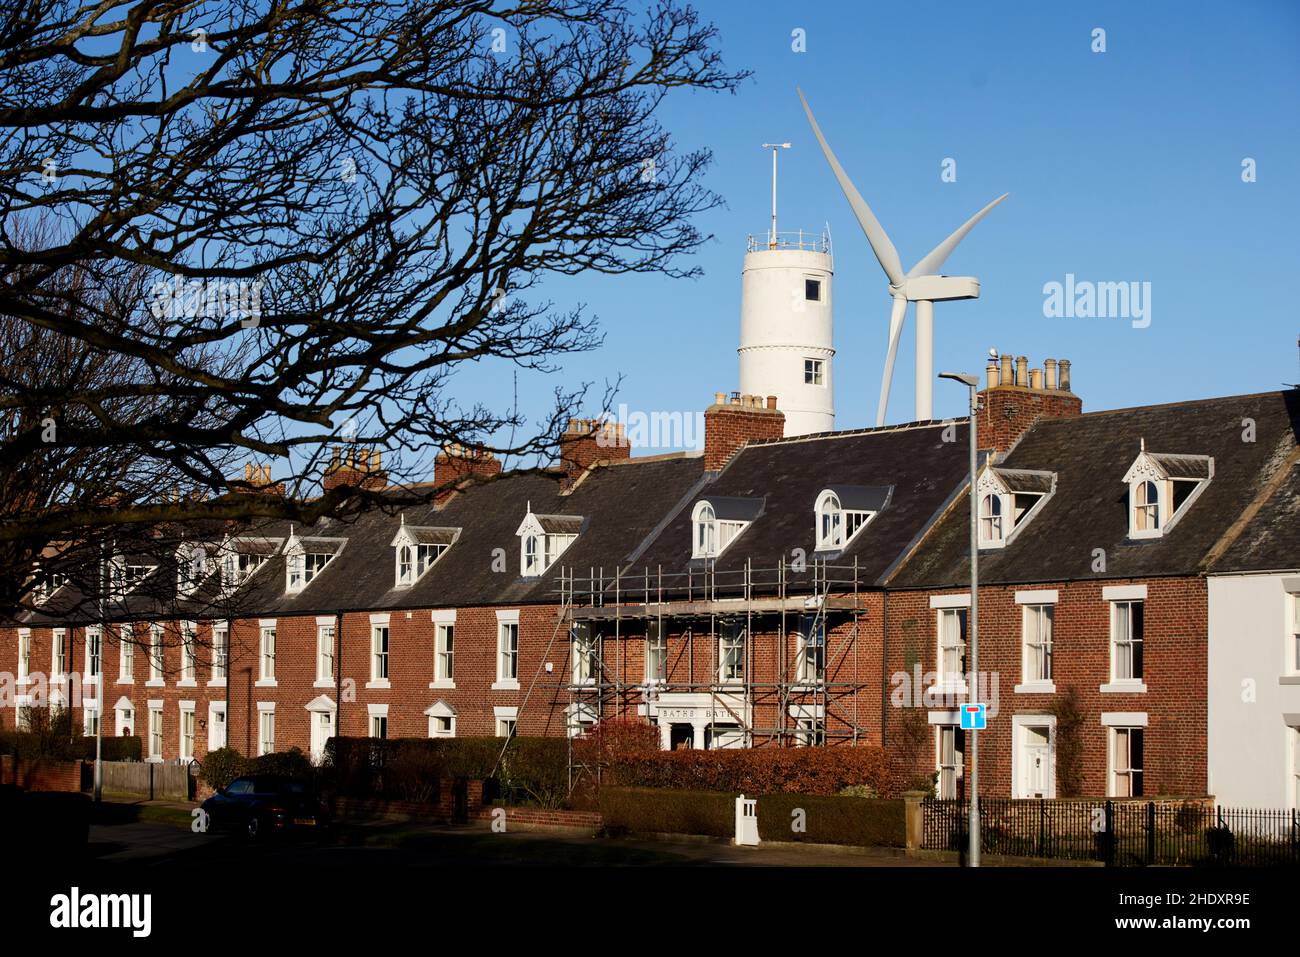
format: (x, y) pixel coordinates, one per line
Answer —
(719, 398)
(1022, 370)
(771, 402)
(1005, 377)
(1064, 367)
(1049, 374)
(1036, 379)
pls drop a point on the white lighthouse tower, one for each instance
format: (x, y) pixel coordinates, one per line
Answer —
(785, 323)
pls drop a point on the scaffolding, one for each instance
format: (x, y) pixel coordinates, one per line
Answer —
(601, 615)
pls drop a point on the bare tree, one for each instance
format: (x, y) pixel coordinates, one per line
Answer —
(325, 209)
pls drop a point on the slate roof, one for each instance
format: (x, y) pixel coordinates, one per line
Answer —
(1270, 540)
(789, 474)
(1090, 455)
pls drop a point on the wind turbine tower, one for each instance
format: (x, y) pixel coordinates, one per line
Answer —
(785, 322)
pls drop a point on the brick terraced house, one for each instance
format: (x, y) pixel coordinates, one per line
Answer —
(805, 591)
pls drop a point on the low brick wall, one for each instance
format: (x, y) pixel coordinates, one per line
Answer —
(40, 774)
(543, 817)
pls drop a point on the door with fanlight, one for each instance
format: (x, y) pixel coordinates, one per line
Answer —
(1037, 775)
(322, 729)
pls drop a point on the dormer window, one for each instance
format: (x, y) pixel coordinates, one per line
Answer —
(1161, 488)
(192, 567)
(240, 560)
(306, 558)
(841, 511)
(417, 548)
(1008, 501)
(543, 539)
(125, 574)
(717, 522)
(47, 584)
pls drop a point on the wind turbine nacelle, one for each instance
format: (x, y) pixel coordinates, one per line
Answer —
(941, 288)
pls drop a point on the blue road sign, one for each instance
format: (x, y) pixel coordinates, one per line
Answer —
(974, 717)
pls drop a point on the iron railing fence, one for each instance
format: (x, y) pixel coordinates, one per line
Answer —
(1120, 833)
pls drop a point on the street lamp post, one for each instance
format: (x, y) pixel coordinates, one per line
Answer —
(972, 383)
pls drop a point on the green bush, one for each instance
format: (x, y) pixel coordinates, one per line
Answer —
(655, 811)
(820, 770)
(114, 749)
(289, 764)
(869, 822)
(222, 766)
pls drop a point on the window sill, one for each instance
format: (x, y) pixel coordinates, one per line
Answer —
(217, 683)
(1124, 686)
(153, 759)
(156, 683)
(1036, 687)
(444, 683)
(121, 681)
(380, 684)
(807, 686)
(187, 683)
(508, 685)
(266, 683)
(323, 683)
(945, 689)
(1289, 680)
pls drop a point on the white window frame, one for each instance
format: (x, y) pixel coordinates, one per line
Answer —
(89, 716)
(953, 681)
(1116, 733)
(1034, 612)
(1128, 597)
(189, 675)
(704, 534)
(220, 654)
(267, 636)
(155, 732)
(954, 764)
(584, 656)
(157, 658)
(326, 642)
(444, 648)
(1293, 634)
(835, 526)
(60, 651)
(504, 715)
(732, 650)
(187, 711)
(126, 655)
(265, 727)
(992, 520)
(24, 655)
(124, 717)
(656, 644)
(507, 625)
(439, 712)
(1142, 511)
(814, 372)
(94, 654)
(812, 673)
(381, 649)
(377, 721)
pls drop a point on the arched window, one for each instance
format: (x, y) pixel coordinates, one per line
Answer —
(405, 565)
(991, 518)
(1146, 507)
(830, 521)
(531, 558)
(706, 531)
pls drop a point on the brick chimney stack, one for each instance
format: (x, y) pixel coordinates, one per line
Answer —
(1016, 397)
(360, 468)
(732, 422)
(458, 462)
(588, 441)
(259, 477)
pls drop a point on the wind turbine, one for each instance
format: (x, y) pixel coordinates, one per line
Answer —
(921, 284)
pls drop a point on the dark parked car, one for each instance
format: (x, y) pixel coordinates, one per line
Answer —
(265, 804)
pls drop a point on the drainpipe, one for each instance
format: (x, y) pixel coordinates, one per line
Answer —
(338, 675)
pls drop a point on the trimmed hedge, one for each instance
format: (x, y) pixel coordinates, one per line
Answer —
(223, 765)
(825, 770)
(115, 749)
(533, 770)
(654, 811)
(869, 822)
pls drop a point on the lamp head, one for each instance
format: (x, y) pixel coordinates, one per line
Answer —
(961, 377)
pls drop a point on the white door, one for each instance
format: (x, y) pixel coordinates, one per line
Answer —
(322, 729)
(216, 729)
(1036, 758)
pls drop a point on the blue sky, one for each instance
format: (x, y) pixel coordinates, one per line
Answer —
(1122, 166)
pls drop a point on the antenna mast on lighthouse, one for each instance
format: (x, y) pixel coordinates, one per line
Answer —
(771, 239)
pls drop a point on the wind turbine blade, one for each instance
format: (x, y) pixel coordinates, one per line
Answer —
(934, 260)
(896, 318)
(880, 244)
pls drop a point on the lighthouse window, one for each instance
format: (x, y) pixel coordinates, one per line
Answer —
(812, 290)
(814, 372)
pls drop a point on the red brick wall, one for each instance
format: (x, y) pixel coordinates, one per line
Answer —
(1009, 412)
(728, 427)
(1174, 673)
(41, 775)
